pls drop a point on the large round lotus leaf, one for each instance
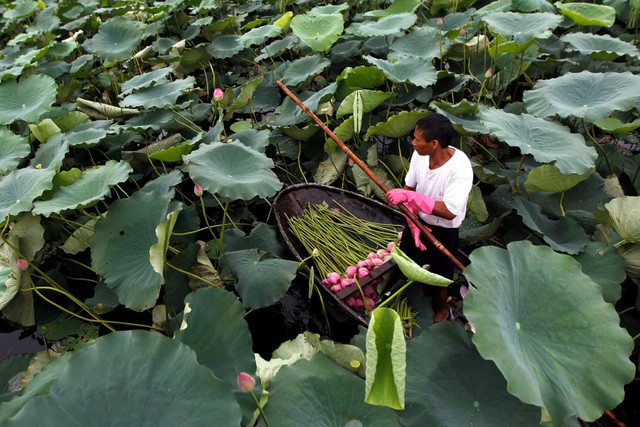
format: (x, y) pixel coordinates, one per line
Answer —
(362, 77)
(258, 35)
(398, 125)
(318, 31)
(325, 394)
(407, 70)
(566, 95)
(303, 68)
(370, 99)
(256, 139)
(93, 185)
(26, 100)
(531, 6)
(12, 149)
(233, 170)
(605, 266)
(624, 215)
(423, 42)
(600, 46)
(145, 80)
(522, 27)
(21, 187)
(533, 312)
(261, 280)
(159, 96)
(117, 39)
(388, 25)
(588, 14)
(449, 384)
(546, 141)
(549, 178)
(225, 46)
(122, 246)
(133, 378)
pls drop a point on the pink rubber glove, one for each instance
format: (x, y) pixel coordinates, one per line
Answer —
(412, 200)
(415, 231)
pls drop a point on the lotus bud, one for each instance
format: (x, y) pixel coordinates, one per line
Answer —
(336, 288)
(350, 301)
(369, 292)
(362, 264)
(382, 253)
(351, 270)
(326, 283)
(440, 22)
(334, 278)
(463, 291)
(488, 73)
(218, 94)
(462, 31)
(390, 246)
(359, 303)
(372, 255)
(362, 272)
(23, 264)
(245, 382)
(197, 190)
(377, 262)
(369, 264)
(346, 282)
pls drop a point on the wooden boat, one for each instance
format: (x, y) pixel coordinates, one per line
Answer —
(292, 202)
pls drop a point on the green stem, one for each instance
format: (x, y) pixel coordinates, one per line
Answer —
(598, 146)
(395, 294)
(264, 417)
(515, 176)
(195, 276)
(561, 207)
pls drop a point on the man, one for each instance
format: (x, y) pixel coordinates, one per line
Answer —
(436, 188)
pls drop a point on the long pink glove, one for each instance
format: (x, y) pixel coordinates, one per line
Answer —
(414, 202)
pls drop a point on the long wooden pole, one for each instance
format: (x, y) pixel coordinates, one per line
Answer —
(423, 229)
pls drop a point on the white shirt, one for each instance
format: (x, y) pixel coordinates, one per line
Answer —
(450, 183)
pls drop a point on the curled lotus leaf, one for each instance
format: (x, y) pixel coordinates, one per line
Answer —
(624, 217)
(414, 272)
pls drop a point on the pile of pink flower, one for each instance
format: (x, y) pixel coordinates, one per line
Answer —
(337, 282)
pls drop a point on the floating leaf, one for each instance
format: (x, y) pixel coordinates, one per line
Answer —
(12, 149)
(386, 353)
(584, 366)
(316, 30)
(233, 170)
(93, 185)
(44, 130)
(566, 95)
(388, 25)
(26, 100)
(275, 277)
(117, 39)
(588, 14)
(522, 27)
(416, 273)
(549, 178)
(408, 70)
(624, 217)
(547, 141)
(159, 96)
(303, 68)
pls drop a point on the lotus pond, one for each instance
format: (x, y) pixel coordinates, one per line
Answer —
(142, 144)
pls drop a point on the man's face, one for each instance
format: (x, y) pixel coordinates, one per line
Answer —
(422, 146)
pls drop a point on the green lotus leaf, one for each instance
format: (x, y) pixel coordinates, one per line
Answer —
(172, 154)
(472, 231)
(407, 70)
(12, 149)
(318, 31)
(256, 139)
(9, 286)
(522, 27)
(624, 217)
(225, 46)
(331, 168)
(398, 6)
(398, 125)
(51, 154)
(385, 26)
(545, 140)
(20, 187)
(362, 77)
(462, 115)
(243, 98)
(258, 35)
(262, 236)
(160, 96)
(416, 273)
(600, 46)
(117, 39)
(277, 47)
(233, 170)
(563, 234)
(549, 350)
(20, 9)
(301, 69)
(588, 14)
(93, 185)
(26, 100)
(370, 100)
(454, 385)
(422, 42)
(320, 390)
(386, 353)
(145, 80)
(549, 178)
(122, 243)
(44, 130)
(631, 255)
(88, 134)
(613, 125)
(275, 277)
(533, 6)
(78, 241)
(605, 266)
(288, 113)
(103, 381)
(565, 95)
(9, 368)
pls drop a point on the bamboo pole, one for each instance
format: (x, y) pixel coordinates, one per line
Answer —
(423, 228)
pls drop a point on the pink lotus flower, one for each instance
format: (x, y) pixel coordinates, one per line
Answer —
(326, 283)
(350, 301)
(362, 272)
(218, 94)
(197, 190)
(369, 263)
(334, 278)
(23, 264)
(245, 382)
(369, 292)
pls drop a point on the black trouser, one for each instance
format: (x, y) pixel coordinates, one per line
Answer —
(438, 262)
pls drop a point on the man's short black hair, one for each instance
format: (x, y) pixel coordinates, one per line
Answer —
(436, 126)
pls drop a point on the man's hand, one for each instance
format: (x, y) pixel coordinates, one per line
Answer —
(414, 201)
